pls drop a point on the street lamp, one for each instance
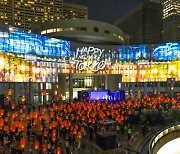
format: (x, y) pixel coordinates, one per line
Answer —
(22, 99)
(9, 95)
(44, 95)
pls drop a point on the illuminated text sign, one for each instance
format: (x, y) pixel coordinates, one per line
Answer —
(89, 57)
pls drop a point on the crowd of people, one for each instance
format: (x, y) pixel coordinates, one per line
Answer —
(45, 127)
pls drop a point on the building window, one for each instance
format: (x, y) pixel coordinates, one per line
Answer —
(48, 86)
(80, 28)
(107, 32)
(96, 29)
(43, 32)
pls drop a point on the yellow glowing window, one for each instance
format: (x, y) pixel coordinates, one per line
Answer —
(49, 30)
(30, 2)
(59, 29)
(43, 32)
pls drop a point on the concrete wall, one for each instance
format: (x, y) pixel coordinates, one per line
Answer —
(32, 92)
(112, 81)
(94, 31)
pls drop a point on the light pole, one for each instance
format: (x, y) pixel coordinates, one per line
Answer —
(44, 95)
(9, 95)
(172, 87)
(22, 99)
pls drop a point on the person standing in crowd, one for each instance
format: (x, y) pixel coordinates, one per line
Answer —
(67, 146)
(129, 132)
(20, 151)
(144, 129)
(28, 133)
(68, 120)
(73, 142)
(91, 132)
(49, 147)
(1, 137)
(117, 129)
(13, 150)
(122, 129)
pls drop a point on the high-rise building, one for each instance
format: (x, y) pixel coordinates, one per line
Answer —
(22, 13)
(143, 23)
(6, 12)
(74, 11)
(171, 20)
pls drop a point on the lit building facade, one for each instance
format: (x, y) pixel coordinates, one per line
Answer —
(21, 13)
(33, 65)
(170, 8)
(24, 13)
(171, 20)
(74, 11)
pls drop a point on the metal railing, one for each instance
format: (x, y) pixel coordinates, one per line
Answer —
(161, 134)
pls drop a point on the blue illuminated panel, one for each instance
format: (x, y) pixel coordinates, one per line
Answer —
(22, 42)
(99, 94)
(119, 95)
(168, 51)
(162, 52)
(132, 52)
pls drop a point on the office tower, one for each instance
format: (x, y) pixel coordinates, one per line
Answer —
(171, 20)
(74, 11)
(21, 13)
(6, 12)
(143, 23)
(25, 13)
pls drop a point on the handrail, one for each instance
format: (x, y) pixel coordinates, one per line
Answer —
(162, 133)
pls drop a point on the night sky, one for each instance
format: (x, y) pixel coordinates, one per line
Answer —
(106, 10)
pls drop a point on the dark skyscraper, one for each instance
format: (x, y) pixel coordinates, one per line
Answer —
(143, 23)
(106, 10)
(74, 11)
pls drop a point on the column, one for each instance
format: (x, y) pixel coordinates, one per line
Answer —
(158, 87)
(145, 88)
(154, 87)
(106, 81)
(95, 82)
(70, 87)
(15, 92)
(129, 89)
(172, 88)
(112, 81)
(44, 95)
(40, 93)
(133, 89)
(26, 92)
(62, 84)
(31, 94)
(168, 87)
